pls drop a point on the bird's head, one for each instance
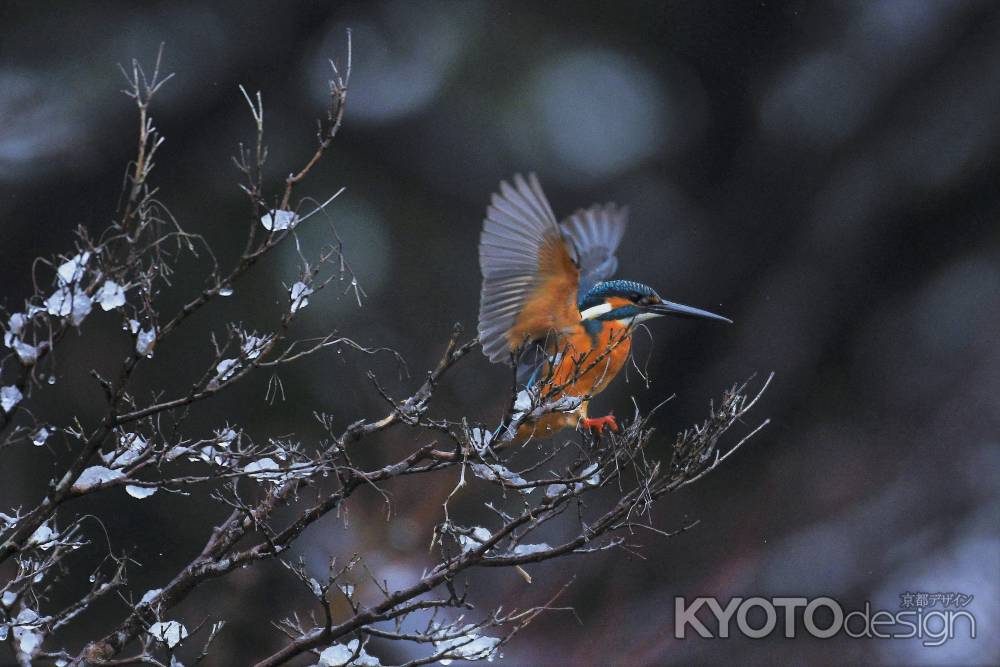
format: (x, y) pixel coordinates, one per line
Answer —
(630, 302)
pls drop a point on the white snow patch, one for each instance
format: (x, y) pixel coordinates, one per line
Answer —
(111, 295)
(170, 633)
(474, 541)
(468, 646)
(130, 447)
(28, 354)
(299, 292)
(95, 475)
(9, 397)
(144, 342)
(494, 472)
(25, 634)
(69, 302)
(528, 549)
(14, 327)
(43, 537)
(275, 221)
(140, 492)
(260, 469)
(340, 655)
(72, 271)
(149, 595)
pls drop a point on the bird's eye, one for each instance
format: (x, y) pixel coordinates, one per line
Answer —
(635, 297)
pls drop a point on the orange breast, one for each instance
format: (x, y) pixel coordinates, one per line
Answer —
(588, 363)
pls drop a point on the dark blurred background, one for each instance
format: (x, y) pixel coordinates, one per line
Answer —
(822, 172)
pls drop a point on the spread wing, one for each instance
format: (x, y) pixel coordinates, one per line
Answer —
(530, 281)
(594, 234)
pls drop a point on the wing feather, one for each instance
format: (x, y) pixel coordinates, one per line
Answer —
(594, 234)
(529, 278)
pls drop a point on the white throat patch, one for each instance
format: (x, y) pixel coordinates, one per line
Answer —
(595, 311)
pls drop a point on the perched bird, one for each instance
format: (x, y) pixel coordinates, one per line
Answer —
(548, 307)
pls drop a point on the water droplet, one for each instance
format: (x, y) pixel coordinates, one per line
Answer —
(52, 379)
(93, 578)
(3, 633)
(226, 291)
(149, 356)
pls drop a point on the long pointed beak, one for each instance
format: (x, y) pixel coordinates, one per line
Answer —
(680, 310)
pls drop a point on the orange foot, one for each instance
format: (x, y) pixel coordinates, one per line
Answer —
(598, 423)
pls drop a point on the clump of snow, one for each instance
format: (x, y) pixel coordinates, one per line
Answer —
(275, 221)
(591, 477)
(144, 341)
(170, 633)
(340, 655)
(67, 301)
(72, 271)
(95, 475)
(494, 472)
(150, 595)
(140, 492)
(466, 644)
(15, 327)
(110, 296)
(523, 401)
(12, 338)
(26, 634)
(40, 436)
(226, 436)
(43, 537)
(130, 447)
(480, 439)
(528, 549)
(224, 371)
(474, 541)
(260, 469)
(9, 397)
(254, 345)
(299, 292)
(28, 354)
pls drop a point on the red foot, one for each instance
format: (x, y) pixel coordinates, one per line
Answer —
(598, 423)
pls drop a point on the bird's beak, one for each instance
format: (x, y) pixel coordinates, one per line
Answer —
(679, 310)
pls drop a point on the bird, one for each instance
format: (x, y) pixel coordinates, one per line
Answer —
(549, 305)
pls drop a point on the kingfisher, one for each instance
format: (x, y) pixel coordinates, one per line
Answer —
(550, 307)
